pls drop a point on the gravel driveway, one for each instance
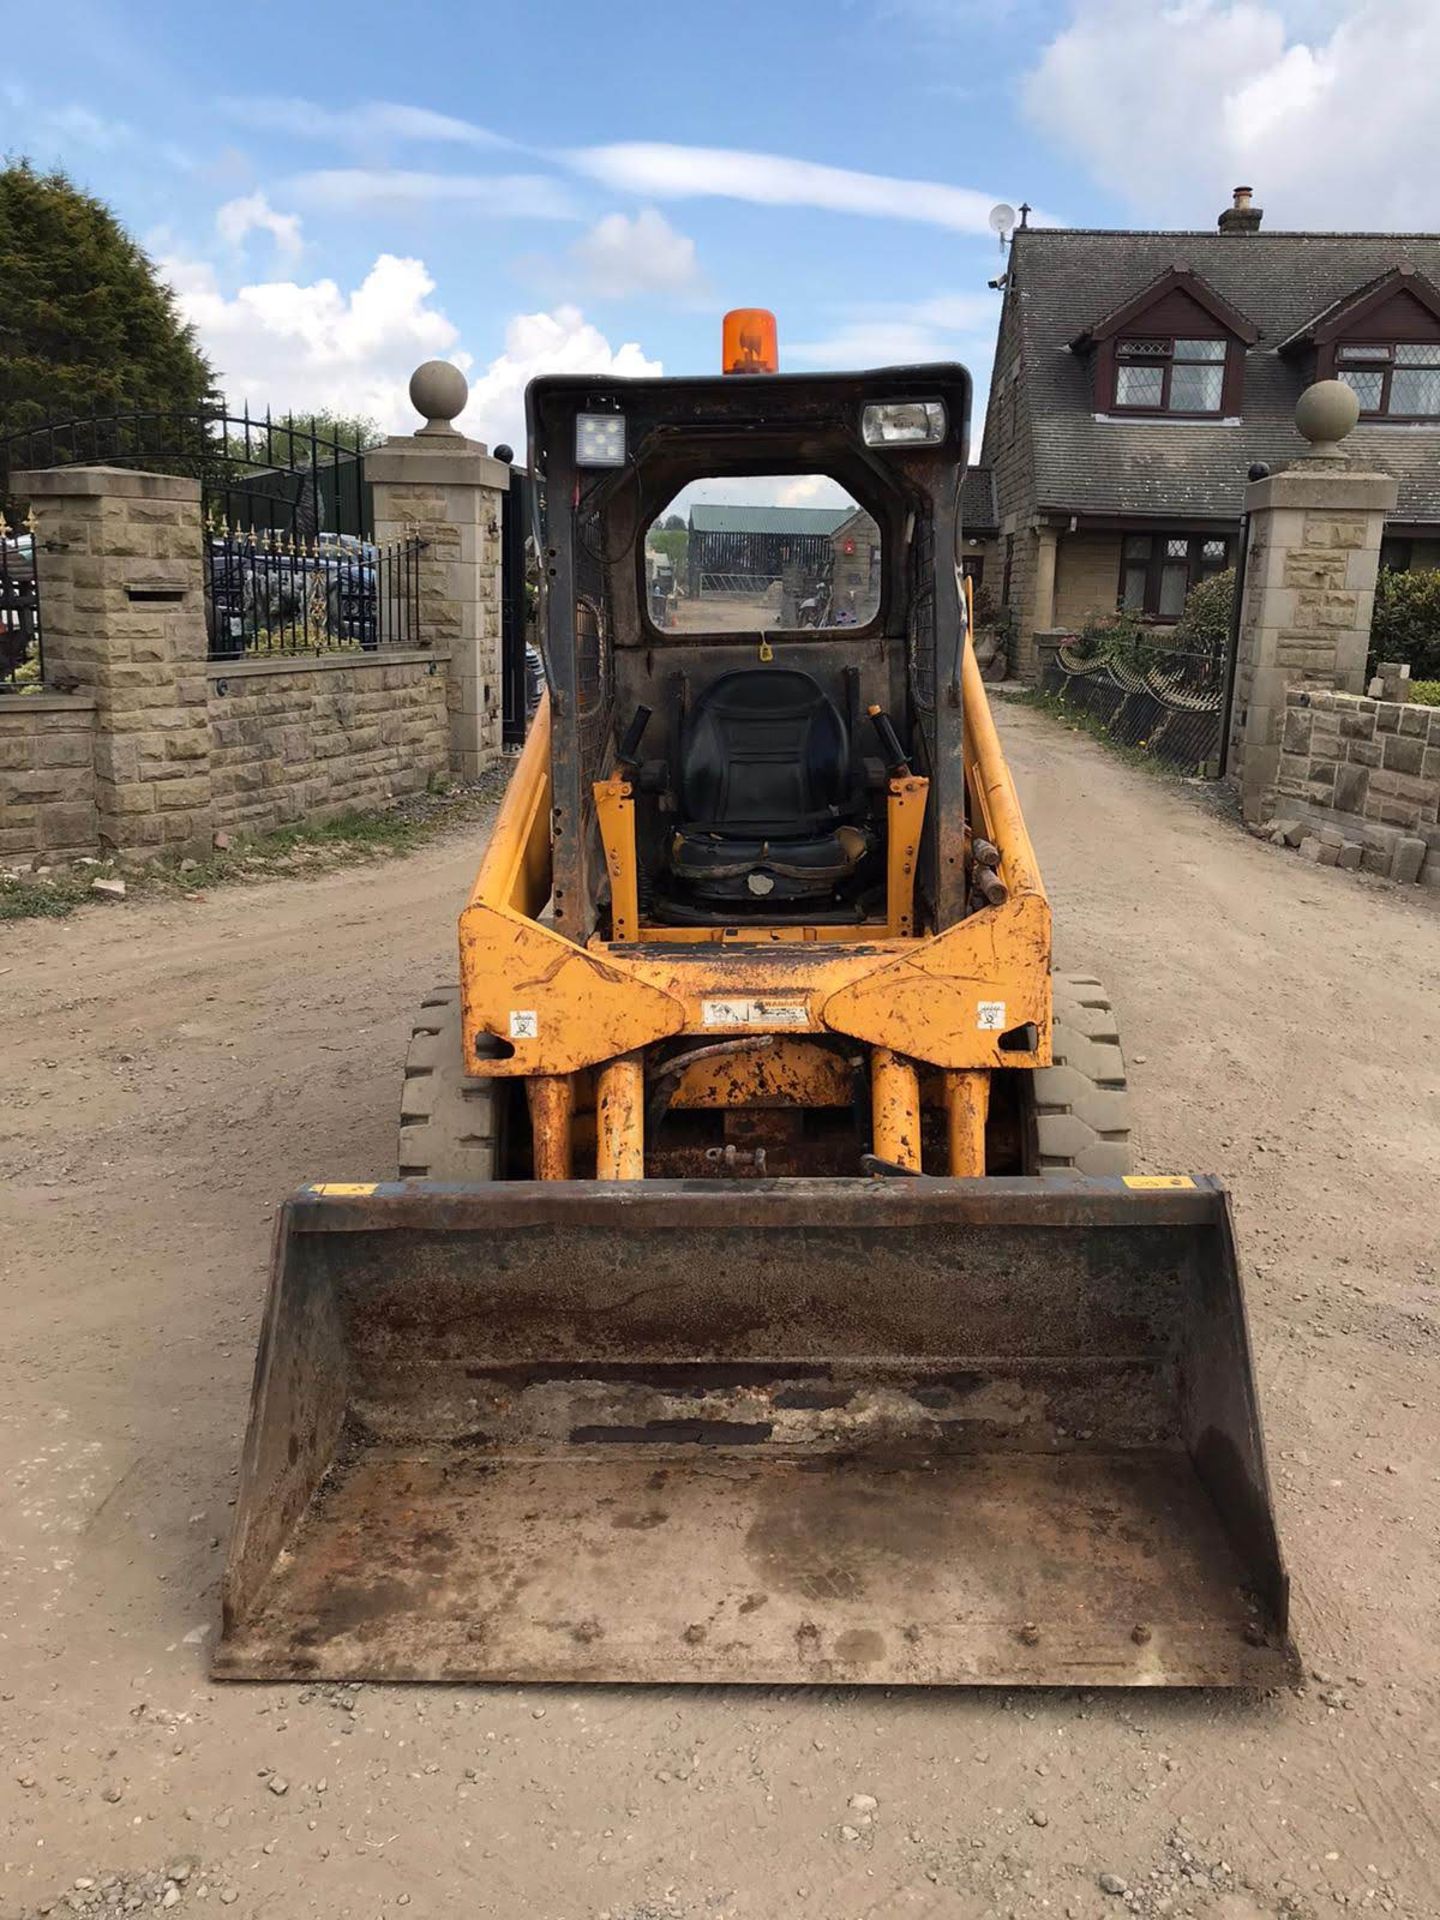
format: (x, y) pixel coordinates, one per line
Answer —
(172, 1068)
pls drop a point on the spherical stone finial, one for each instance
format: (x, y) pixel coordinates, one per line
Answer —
(438, 391)
(1324, 414)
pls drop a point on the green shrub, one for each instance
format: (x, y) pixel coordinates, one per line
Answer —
(1406, 626)
(986, 609)
(1204, 623)
(1425, 693)
(1119, 636)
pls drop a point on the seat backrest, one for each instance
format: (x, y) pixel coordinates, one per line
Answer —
(765, 751)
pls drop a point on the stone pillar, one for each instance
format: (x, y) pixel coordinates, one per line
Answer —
(1315, 532)
(122, 596)
(1042, 618)
(437, 486)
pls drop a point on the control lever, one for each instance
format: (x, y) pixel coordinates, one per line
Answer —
(633, 735)
(897, 761)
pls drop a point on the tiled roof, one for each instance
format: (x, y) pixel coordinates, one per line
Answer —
(978, 513)
(1064, 280)
(796, 520)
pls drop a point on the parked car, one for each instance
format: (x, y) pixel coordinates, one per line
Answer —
(534, 678)
(19, 606)
(264, 595)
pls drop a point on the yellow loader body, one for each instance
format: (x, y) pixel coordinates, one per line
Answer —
(765, 1296)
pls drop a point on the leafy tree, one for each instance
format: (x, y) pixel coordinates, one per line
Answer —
(287, 440)
(673, 523)
(86, 323)
(674, 543)
(1406, 624)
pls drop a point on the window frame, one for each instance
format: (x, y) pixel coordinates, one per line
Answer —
(1167, 363)
(1367, 361)
(1156, 562)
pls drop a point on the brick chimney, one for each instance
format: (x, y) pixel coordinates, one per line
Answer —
(1242, 217)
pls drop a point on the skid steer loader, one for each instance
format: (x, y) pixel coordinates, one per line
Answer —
(764, 1294)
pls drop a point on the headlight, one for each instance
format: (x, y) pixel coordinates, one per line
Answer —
(599, 440)
(903, 423)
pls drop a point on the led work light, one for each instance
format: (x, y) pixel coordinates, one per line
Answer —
(903, 423)
(599, 440)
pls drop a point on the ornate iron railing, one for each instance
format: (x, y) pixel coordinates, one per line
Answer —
(268, 593)
(256, 471)
(1146, 694)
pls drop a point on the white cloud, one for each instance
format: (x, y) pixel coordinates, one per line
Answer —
(623, 255)
(666, 172)
(253, 213)
(86, 127)
(1326, 107)
(762, 490)
(363, 125)
(296, 347)
(69, 123)
(562, 341)
(498, 196)
(939, 328)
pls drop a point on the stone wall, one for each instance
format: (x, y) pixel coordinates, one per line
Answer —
(47, 778)
(307, 739)
(1364, 774)
(152, 746)
(1087, 577)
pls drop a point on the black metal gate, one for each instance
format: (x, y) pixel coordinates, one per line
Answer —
(258, 474)
(519, 662)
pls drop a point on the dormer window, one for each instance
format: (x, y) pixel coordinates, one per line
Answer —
(1173, 351)
(1395, 381)
(1169, 376)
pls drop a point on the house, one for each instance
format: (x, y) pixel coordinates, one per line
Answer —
(855, 568)
(1139, 375)
(979, 523)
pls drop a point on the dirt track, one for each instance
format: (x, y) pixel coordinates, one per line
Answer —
(172, 1069)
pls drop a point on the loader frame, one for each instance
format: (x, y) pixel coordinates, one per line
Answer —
(937, 987)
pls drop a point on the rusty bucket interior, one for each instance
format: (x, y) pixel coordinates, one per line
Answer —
(921, 1431)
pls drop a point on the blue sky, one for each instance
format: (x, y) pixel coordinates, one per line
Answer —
(338, 191)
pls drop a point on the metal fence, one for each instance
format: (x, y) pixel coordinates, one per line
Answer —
(1146, 694)
(282, 474)
(268, 593)
(21, 659)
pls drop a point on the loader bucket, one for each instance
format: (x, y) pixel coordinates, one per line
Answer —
(903, 1431)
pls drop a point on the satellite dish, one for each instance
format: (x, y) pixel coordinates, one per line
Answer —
(1002, 219)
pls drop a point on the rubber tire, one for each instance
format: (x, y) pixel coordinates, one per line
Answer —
(450, 1125)
(1082, 1103)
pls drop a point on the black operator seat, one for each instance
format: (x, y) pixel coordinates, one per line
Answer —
(771, 809)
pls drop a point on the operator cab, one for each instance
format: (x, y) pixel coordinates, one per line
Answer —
(753, 622)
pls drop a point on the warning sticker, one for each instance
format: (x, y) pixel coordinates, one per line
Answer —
(754, 1013)
(991, 1016)
(525, 1025)
(1159, 1182)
